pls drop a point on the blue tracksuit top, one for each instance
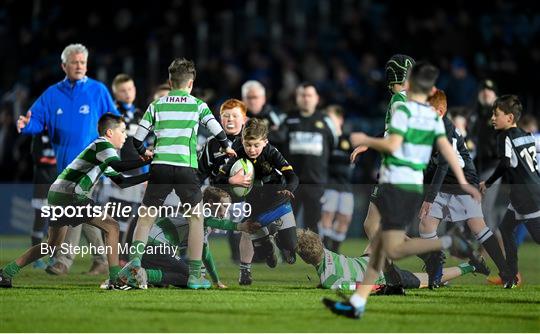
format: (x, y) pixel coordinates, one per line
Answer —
(70, 113)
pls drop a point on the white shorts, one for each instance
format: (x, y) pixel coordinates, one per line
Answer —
(340, 202)
(455, 208)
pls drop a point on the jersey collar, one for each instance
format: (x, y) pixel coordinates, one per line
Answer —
(178, 92)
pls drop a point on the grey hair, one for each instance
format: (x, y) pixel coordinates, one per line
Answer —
(248, 85)
(73, 49)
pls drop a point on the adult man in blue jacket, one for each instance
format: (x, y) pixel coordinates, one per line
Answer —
(70, 110)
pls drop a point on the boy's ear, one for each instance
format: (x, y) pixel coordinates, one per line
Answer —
(433, 91)
(511, 118)
(109, 132)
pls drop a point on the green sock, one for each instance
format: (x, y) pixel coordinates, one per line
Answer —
(466, 268)
(154, 276)
(11, 269)
(138, 246)
(113, 272)
(195, 267)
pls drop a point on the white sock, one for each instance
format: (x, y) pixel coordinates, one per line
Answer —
(327, 232)
(339, 236)
(446, 242)
(429, 235)
(357, 301)
(484, 235)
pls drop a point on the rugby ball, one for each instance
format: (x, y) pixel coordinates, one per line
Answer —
(246, 166)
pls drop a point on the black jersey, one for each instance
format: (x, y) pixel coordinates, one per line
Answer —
(309, 141)
(438, 172)
(272, 174)
(42, 151)
(132, 116)
(518, 165)
(340, 171)
(212, 158)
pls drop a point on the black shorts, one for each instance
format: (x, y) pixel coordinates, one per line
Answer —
(165, 178)
(174, 270)
(398, 207)
(68, 219)
(399, 277)
(44, 176)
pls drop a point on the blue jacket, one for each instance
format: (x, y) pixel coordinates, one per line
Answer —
(71, 114)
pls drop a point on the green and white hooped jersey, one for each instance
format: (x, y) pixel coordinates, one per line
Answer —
(173, 232)
(420, 126)
(82, 173)
(175, 121)
(397, 97)
(341, 272)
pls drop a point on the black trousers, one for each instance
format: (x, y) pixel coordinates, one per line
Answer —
(309, 196)
(508, 233)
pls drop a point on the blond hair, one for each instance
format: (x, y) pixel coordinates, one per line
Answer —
(309, 247)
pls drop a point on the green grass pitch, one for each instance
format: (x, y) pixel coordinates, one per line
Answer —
(284, 299)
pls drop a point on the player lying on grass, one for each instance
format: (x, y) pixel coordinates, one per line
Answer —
(171, 234)
(519, 167)
(274, 184)
(338, 271)
(445, 199)
(72, 189)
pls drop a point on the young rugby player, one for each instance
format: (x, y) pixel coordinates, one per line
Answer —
(414, 128)
(397, 71)
(170, 234)
(274, 184)
(519, 166)
(233, 117)
(445, 199)
(72, 189)
(175, 119)
(338, 271)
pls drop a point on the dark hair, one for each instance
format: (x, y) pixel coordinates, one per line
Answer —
(307, 84)
(509, 104)
(423, 77)
(214, 195)
(109, 121)
(181, 71)
(255, 129)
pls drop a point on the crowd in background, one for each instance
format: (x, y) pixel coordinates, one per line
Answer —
(339, 45)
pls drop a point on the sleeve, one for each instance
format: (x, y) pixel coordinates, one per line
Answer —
(126, 182)
(224, 171)
(125, 165)
(106, 153)
(440, 129)
(38, 120)
(207, 119)
(278, 161)
(222, 224)
(399, 123)
(209, 263)
(145, 125)
(205, 162)
(438, 179)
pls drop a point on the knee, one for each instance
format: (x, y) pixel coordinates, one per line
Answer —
(112, 227)
(392, 253)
